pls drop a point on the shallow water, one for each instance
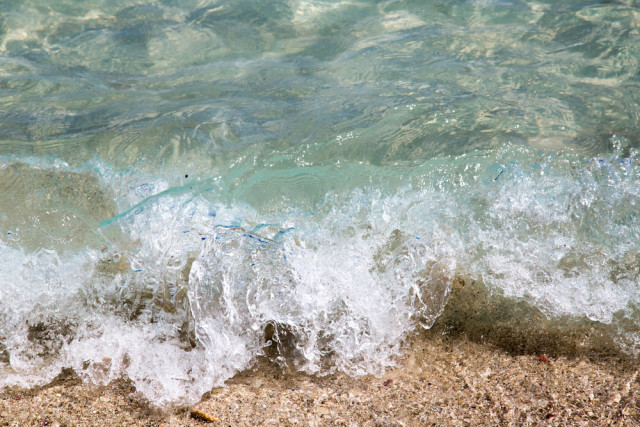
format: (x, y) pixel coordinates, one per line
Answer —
(183, 185)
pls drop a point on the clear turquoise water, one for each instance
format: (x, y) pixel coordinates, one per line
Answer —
(175, 175)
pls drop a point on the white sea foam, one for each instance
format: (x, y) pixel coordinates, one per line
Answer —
(185, 291)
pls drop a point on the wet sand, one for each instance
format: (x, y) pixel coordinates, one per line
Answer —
(442, 381)
(455, 374)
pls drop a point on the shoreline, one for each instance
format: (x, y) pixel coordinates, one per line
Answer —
(440, 380)
(485, 361)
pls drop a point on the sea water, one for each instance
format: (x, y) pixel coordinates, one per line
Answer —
(183, 184)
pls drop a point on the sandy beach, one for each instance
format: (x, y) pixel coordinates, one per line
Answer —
(440, 382)
(450, 375)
